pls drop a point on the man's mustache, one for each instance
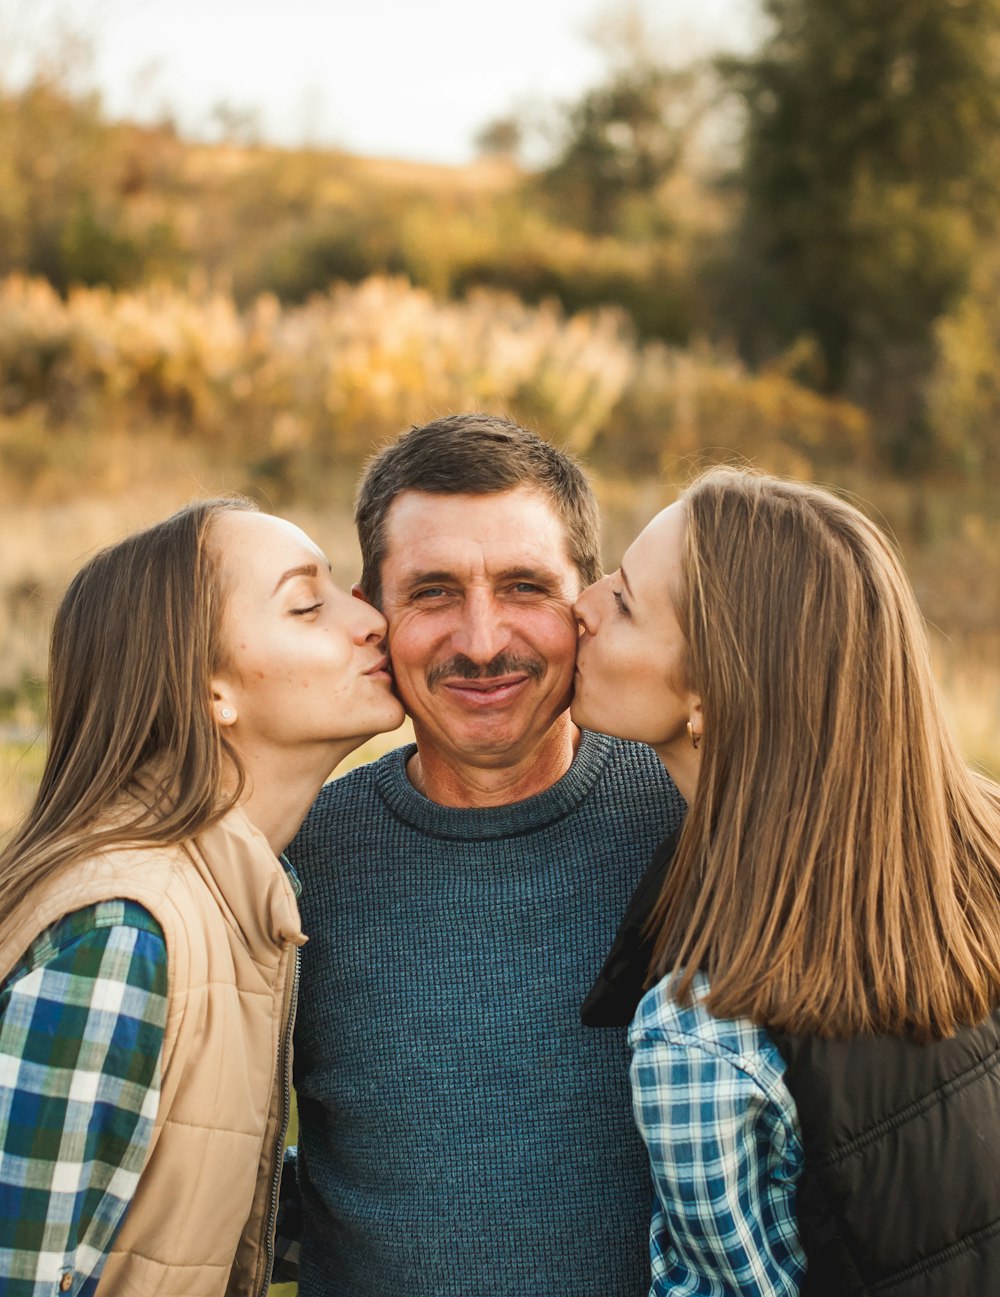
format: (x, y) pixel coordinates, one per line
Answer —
(502, 665)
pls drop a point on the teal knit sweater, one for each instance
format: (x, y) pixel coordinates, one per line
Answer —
(461, 1133)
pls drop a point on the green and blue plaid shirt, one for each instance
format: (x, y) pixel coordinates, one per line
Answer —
(81, 1032)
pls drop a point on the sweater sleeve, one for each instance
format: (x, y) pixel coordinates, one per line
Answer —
(82, 1022)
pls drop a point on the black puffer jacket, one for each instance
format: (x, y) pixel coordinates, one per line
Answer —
(900, 1191)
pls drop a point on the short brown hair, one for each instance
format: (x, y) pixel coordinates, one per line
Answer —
(839, 868)
(477, 454)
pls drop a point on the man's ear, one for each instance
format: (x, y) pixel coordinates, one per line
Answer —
(358, 591)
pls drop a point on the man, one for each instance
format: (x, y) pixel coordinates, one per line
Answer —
(460, 1131)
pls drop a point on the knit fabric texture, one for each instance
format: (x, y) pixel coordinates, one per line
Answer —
(460, 1130)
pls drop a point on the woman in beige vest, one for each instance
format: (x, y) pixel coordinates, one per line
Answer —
(206, 676)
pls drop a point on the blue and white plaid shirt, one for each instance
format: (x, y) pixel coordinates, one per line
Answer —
(725, 1151)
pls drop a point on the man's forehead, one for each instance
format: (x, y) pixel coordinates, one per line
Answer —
(501, 525)
(518, 515)
(451, 556)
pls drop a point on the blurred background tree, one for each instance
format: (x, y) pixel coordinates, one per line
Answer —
(870, 179)
(71, 182)
(625, 137)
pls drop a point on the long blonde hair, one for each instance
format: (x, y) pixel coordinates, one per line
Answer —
(839, 868)
(134, 645)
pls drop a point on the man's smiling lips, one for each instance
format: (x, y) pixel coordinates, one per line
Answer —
(488, 692)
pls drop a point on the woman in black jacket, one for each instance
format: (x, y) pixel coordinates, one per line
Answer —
(816, 1069)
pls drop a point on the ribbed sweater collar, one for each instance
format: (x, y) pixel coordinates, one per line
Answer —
(480, 825)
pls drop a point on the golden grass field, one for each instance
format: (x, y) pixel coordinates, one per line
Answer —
(118, 407)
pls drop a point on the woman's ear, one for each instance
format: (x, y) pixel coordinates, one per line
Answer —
(696, 719)
(223, 705)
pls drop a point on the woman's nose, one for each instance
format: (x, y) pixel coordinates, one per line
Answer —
(378, 633)
(370, 627)
(583, 610)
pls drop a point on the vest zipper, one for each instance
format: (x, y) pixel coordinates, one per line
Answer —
(285, 1081)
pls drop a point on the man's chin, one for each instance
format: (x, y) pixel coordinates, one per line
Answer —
(489, 741)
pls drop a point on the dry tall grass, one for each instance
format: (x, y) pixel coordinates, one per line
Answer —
(360, 362)
(115, 408)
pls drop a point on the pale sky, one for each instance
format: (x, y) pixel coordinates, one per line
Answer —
(391, 78)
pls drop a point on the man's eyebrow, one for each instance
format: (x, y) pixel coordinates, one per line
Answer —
(437, 576)
(307, 569)
(524, 572)
(624, 576)
(444, 576)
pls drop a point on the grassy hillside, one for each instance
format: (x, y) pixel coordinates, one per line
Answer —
(178, 320)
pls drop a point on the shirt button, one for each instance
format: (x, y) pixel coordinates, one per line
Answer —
(66, 1282)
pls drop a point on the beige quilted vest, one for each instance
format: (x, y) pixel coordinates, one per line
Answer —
(198, 1222)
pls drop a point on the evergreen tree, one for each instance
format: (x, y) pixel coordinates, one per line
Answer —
(871, 170)
(624, 137)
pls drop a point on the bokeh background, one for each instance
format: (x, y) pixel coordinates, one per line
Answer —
(242, 244)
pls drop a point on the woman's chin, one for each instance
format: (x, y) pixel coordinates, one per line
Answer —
(588, 719)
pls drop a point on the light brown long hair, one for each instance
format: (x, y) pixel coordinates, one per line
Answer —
(839, 868)
(134, 645)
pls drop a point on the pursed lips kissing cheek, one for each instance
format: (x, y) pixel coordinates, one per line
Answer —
(380, 669)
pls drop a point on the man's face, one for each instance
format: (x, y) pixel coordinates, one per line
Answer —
(478, 593)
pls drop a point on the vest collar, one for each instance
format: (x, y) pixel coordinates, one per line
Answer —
(238, 866)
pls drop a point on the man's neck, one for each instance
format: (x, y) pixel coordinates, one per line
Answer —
(449, 782)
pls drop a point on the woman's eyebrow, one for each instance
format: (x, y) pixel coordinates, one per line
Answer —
(307, 569)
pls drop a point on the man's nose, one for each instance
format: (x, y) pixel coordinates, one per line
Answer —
(483, 631)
